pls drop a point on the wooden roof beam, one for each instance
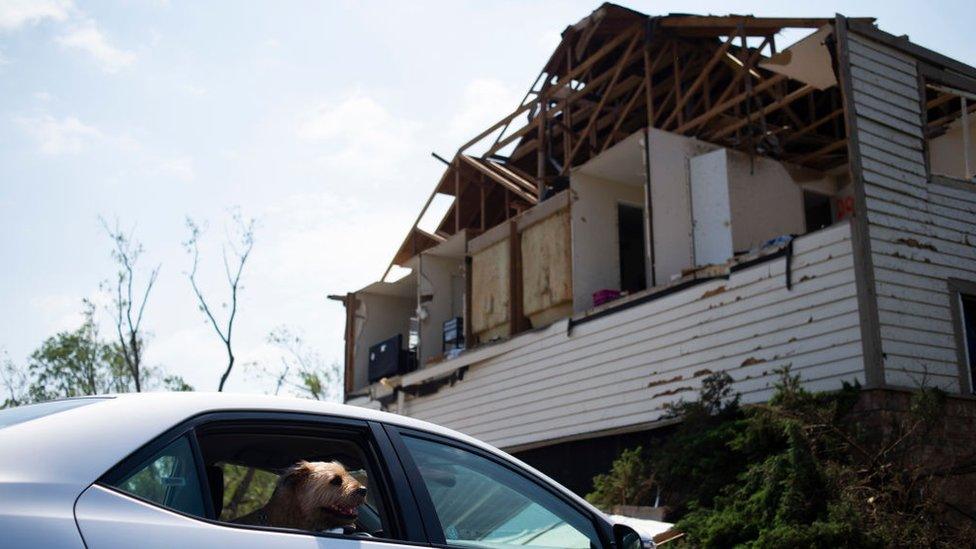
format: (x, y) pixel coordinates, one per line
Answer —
(693, 88)
(786, 100)
(807, 158)
(811, 127)
(515, 189)
(567, 162)
(728, 104)
(753, 26)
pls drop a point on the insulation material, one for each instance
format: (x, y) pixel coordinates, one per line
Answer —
(807, 61)
(547, 274)
(946, 151)
(490, 296)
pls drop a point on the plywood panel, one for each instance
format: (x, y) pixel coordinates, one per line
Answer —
(490, 272)
(547, 270)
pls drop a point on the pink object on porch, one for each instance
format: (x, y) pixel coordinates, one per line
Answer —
(603, 296)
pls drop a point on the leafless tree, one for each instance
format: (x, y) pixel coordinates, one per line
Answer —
(239, 246)
(128, 312)
(303, 371)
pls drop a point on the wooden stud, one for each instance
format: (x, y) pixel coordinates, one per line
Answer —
(793, 96)
(568, 162)
(350, 358)
(726, 105)
(541, 151)
(481, 191)
(623, 116)
(514, 279)
(860, 237)
(468, 311)
(693, 88)
(811, 127)
(839, 144)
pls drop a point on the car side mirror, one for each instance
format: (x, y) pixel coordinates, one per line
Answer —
(626, 537)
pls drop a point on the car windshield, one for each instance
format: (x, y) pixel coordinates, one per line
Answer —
(20, 414)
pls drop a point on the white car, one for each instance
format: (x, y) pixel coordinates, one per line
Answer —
(175, 469)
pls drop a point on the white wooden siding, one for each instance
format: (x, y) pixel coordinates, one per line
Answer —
(620, 370)
(921, 233)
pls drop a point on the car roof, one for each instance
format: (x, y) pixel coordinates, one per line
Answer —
(77, 446)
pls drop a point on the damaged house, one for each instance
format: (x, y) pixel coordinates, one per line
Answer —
(678, 196)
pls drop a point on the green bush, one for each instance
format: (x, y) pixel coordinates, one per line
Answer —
(798, 471)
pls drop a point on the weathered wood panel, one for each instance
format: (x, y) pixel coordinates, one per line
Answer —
(547, 270)
(921, 233)
(490, 290)
(621, 370)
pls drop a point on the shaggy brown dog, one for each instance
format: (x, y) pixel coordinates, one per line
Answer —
(311, 496)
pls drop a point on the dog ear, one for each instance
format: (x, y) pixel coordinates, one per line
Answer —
(295, 474)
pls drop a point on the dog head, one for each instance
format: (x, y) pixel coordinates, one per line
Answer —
(326, 495)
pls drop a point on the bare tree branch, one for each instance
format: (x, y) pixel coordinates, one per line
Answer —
(224, 331)
(126, 254)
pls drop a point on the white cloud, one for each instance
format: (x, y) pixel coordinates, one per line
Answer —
(192, 89)
(56, 136)
(180, 167)
(549, 40)
(16, 13)
(86, 37)
(360, 136)
(59, 311)
(484, 102)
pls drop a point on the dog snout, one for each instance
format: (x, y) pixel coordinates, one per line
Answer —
(361, 491)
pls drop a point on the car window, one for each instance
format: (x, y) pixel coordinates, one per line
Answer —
(245, 489)
(168, 478)
(296, 477)
(481, 503)
(20, 414)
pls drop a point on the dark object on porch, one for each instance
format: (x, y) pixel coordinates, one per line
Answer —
(388, 358)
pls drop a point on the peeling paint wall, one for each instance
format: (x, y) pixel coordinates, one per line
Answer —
(921, 232)
(621, 370)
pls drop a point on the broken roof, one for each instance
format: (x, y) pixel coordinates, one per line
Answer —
(716, 78)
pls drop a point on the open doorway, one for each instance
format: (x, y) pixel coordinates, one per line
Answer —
(630, 239)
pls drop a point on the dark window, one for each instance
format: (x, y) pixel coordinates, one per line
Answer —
(968, 303)
(816, 208)
(250, 472)
(481, 503)
(630, 237)
(169, 478)
(244, 466)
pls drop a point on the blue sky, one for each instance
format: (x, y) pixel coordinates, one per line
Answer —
(317, 118)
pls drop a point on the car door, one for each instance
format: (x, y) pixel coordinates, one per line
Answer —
(470, 498)
(166, 493)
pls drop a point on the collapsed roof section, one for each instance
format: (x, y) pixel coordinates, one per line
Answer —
(717, 78)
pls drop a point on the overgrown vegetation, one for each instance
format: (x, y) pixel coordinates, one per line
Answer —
(796, 471)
